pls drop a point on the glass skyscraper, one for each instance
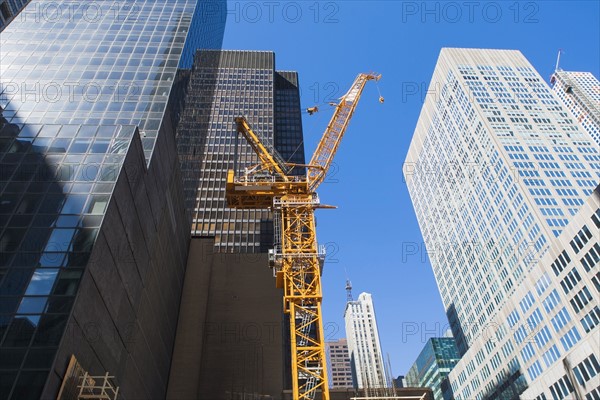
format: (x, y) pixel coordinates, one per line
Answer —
(497, 170)
(432, 366)
(225, 85)
(90, 192)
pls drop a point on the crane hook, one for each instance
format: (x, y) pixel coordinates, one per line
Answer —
(312, 110)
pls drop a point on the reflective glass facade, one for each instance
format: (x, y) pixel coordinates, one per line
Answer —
(206, 31)
(436, 360)
(78, 79)
(223, 86)
(497, 169)
(98, 63)
(289, 140)
(53, 203)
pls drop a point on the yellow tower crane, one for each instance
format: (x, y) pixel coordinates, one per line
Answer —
(296, 259)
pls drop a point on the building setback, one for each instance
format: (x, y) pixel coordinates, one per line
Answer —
(94, 231)
(510, 167)
(366, 358)
(339, 368)
(431, 368)
(580, 93)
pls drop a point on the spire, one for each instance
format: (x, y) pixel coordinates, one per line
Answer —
(556, 69)
(349, 291)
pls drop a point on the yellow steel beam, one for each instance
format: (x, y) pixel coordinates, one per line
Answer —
(303, 295)
(330, 141)
(298, 270)
(268, 157)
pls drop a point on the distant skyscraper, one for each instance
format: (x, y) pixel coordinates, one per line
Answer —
(509, 168)
(400, 382)
(93, 227)
(432, 366)
(580, 93)
(226, 85)
(368, 370)
(338, 364)
(9, 9)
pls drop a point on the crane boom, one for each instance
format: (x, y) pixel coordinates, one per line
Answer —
(330, 141)
(269, 157)
(297, 259)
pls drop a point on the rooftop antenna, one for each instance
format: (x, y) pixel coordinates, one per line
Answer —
(558, 60)
(348, 288)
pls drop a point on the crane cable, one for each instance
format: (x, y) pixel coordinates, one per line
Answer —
(381, 99)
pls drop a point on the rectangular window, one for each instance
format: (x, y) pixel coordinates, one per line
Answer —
(591, 320)
(535, 370)
(591, 258)
(560, 263)
(551, 301)
(580, 300)
(551, 356)
(560, 319)
(570, 280)
(527, 302)
(542, 283)
(570, 338)
(580, 240)
(587, 369)
(561, 388)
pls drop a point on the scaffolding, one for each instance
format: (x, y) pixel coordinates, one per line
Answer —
(78, 384)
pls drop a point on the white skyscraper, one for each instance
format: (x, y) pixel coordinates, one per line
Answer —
(580, 92)
(498, 172)
(363, 344)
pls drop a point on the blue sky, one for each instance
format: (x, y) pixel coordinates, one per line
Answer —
(374, 235)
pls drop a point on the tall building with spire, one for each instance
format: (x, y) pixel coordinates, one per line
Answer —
(512, 173)
(366, 357)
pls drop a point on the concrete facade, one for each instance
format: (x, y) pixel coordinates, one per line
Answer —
(230, 337)
(338, 364)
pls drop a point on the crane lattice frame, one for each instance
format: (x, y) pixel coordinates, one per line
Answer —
(298, 260)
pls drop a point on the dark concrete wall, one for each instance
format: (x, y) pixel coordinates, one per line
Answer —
(229, 338)
(348, 394)
(125, 314)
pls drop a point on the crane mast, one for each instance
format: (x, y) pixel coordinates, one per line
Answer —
(297, 260)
